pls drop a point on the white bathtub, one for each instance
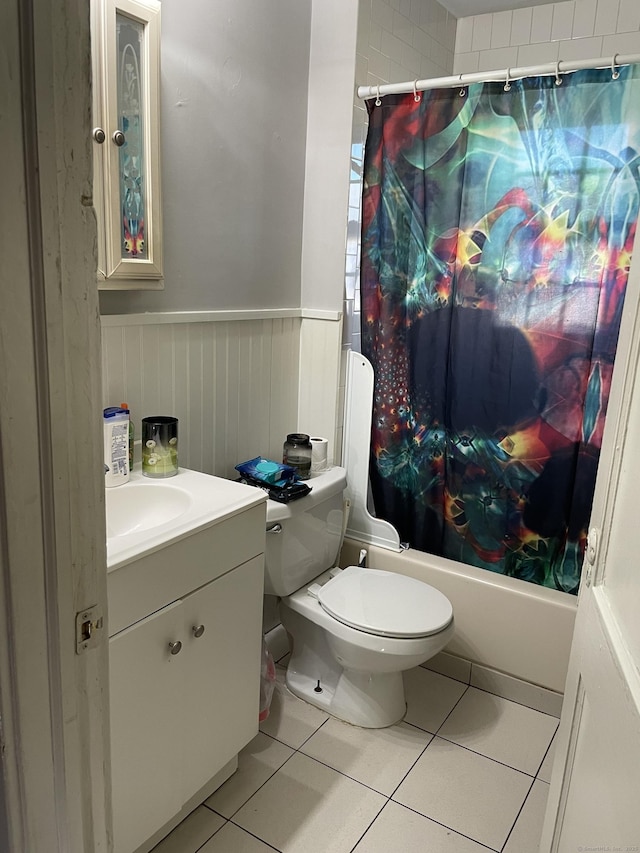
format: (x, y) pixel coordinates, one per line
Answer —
(517, 628)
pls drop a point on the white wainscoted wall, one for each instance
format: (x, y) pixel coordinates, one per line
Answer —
(232, 378)
(232, 383)
(575, 29)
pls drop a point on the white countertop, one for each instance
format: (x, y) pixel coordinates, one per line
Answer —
(199, 501)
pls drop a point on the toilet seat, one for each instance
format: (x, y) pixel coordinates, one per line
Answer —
(385, 603)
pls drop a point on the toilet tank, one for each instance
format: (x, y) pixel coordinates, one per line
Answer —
(304, 536)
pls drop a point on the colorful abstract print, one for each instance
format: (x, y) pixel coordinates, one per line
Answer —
(497, 236)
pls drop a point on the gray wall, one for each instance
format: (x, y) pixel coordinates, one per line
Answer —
(233, 135)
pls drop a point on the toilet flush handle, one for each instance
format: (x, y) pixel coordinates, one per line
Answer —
(275, 528)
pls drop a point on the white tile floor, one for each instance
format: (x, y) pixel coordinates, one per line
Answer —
(465, 772)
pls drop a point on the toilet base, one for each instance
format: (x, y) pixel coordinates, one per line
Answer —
(369, 700)
(372, 700)
(359, 675)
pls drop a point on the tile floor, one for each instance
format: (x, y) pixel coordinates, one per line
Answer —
(465, 772)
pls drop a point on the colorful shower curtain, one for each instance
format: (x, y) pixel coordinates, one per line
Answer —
(497, 236)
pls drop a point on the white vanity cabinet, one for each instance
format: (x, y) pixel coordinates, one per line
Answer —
(185, 626)
(125, 46)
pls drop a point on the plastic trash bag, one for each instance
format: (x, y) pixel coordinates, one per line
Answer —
(267, 681)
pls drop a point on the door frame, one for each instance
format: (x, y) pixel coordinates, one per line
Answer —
(55, 787)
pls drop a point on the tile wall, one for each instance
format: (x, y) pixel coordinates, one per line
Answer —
(398, 40)
(575, 29)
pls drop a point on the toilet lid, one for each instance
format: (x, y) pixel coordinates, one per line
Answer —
(385, 603)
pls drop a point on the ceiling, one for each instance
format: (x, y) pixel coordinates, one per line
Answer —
(464, 8)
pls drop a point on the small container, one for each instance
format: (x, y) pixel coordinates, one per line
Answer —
(132, 436)
(159, 446)
(116, 446)
(297, 453)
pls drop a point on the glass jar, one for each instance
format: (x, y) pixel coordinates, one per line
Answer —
(297, 453)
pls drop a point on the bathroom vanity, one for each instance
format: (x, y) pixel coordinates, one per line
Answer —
(185, 615)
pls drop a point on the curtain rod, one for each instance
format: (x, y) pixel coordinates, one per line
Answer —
(505, 74)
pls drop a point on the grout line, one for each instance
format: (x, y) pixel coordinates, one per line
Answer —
(420, 729)
(414, 763)
(464, 693)
(263, 784)
(257, 837)
(445, 826)
(370, 825)
(506, 841)
(306, 740)
(433, 736)
(346, 775)
(211, 836)
(545, 755)
(488, 757)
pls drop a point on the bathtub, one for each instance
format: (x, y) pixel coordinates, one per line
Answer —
(508, 626)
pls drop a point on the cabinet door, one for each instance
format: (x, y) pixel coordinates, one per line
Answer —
(146, 691)
(127, 39)
(221, 713)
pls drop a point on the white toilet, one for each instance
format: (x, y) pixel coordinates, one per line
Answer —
(353, 631)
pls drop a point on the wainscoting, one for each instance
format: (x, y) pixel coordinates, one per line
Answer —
(232, 378)
(232, 384)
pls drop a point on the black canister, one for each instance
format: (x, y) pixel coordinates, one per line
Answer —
(297, 453)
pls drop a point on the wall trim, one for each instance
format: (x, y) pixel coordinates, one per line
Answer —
(156, 318)
(320, 314)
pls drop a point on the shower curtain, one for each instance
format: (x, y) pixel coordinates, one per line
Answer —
(497, 234)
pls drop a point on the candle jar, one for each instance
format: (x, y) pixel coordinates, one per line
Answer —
(159, 446)
(297, 453)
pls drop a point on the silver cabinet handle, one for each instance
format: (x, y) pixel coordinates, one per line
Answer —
(275, 528)
(198, 630)
(175, 648)
(118, 138)
(99, 135)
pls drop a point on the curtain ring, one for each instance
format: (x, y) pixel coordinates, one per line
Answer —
(378, 101)
(614, 72)
(507, 84)
(462, 92)
(558, 77)
(416, 96)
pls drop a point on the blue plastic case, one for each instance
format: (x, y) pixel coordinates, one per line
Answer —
(267, 471)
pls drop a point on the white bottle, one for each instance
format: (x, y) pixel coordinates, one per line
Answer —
(116, 446)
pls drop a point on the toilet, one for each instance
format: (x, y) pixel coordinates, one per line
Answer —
(353, 631)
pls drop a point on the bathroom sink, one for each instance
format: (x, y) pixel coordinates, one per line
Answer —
(143, 506)
(146, 514)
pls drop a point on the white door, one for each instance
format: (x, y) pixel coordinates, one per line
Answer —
(593, 800)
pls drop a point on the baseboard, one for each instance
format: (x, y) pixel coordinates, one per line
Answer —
(499, 683)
